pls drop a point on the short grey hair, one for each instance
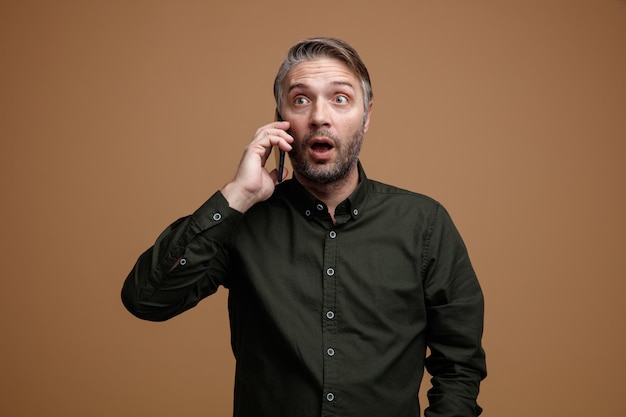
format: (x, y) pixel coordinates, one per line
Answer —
(314, 48)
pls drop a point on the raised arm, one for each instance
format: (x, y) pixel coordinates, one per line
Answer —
(187, 263)
(189, 260)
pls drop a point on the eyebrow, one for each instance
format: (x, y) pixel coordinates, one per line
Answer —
(334, 84)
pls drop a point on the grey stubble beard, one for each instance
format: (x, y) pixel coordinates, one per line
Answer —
(339, 170)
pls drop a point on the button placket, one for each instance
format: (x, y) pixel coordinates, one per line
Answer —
(330, 282)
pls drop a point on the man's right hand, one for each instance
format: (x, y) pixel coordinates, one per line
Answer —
(252, 182)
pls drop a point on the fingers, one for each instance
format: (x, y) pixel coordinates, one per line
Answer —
(273, 134)
(267, 137)
(252, 182)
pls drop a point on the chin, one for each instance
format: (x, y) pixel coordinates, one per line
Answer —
(326, 173)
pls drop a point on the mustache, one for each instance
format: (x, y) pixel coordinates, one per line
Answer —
(320, 133)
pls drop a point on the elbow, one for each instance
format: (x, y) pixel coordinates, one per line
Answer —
(143, 309)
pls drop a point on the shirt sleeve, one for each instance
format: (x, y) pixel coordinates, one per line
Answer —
(455, 314)
(187, 263)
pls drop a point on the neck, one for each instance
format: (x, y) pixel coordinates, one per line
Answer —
(334, 193)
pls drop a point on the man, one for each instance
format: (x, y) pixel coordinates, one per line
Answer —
(337, 284)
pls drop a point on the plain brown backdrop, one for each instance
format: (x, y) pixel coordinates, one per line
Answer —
(117, 117)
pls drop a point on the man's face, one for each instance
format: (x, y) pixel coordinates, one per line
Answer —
(323, 101)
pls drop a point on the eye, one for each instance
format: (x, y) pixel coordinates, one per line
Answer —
(341, 99)
(300, 100)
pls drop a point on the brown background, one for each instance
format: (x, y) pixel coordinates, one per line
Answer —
(117, 117)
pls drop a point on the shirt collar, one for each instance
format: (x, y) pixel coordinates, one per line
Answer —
(311, 207)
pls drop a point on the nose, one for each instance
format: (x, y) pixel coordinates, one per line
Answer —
(320, 115)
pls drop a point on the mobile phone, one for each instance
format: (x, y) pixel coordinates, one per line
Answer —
(280, 156)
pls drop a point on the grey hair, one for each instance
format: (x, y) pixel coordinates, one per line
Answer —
(314, 48)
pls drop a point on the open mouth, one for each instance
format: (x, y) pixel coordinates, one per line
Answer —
(321, 148)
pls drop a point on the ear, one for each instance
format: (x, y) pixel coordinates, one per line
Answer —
(368, 114)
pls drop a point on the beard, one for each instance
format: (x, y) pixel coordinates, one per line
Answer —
(347, 155)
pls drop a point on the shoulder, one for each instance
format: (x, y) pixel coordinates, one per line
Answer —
(404, 206)
(382, 191)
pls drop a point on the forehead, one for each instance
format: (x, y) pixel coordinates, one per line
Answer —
(320, 71)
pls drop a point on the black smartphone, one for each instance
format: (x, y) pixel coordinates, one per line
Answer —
(280, 156)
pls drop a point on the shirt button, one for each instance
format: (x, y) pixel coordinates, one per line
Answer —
(330, 272)
(182, 261)
(355, 212)
(307, 213)
(332, 234)
(319, 207)
(330, 315)
(331, 352)
(330, 396)
(217, 217)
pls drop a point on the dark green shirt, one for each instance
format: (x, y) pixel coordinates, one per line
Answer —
(329, 319)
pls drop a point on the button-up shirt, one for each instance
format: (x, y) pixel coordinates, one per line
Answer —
(329, 318)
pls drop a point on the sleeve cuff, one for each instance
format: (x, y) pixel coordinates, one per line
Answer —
(213, 212)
